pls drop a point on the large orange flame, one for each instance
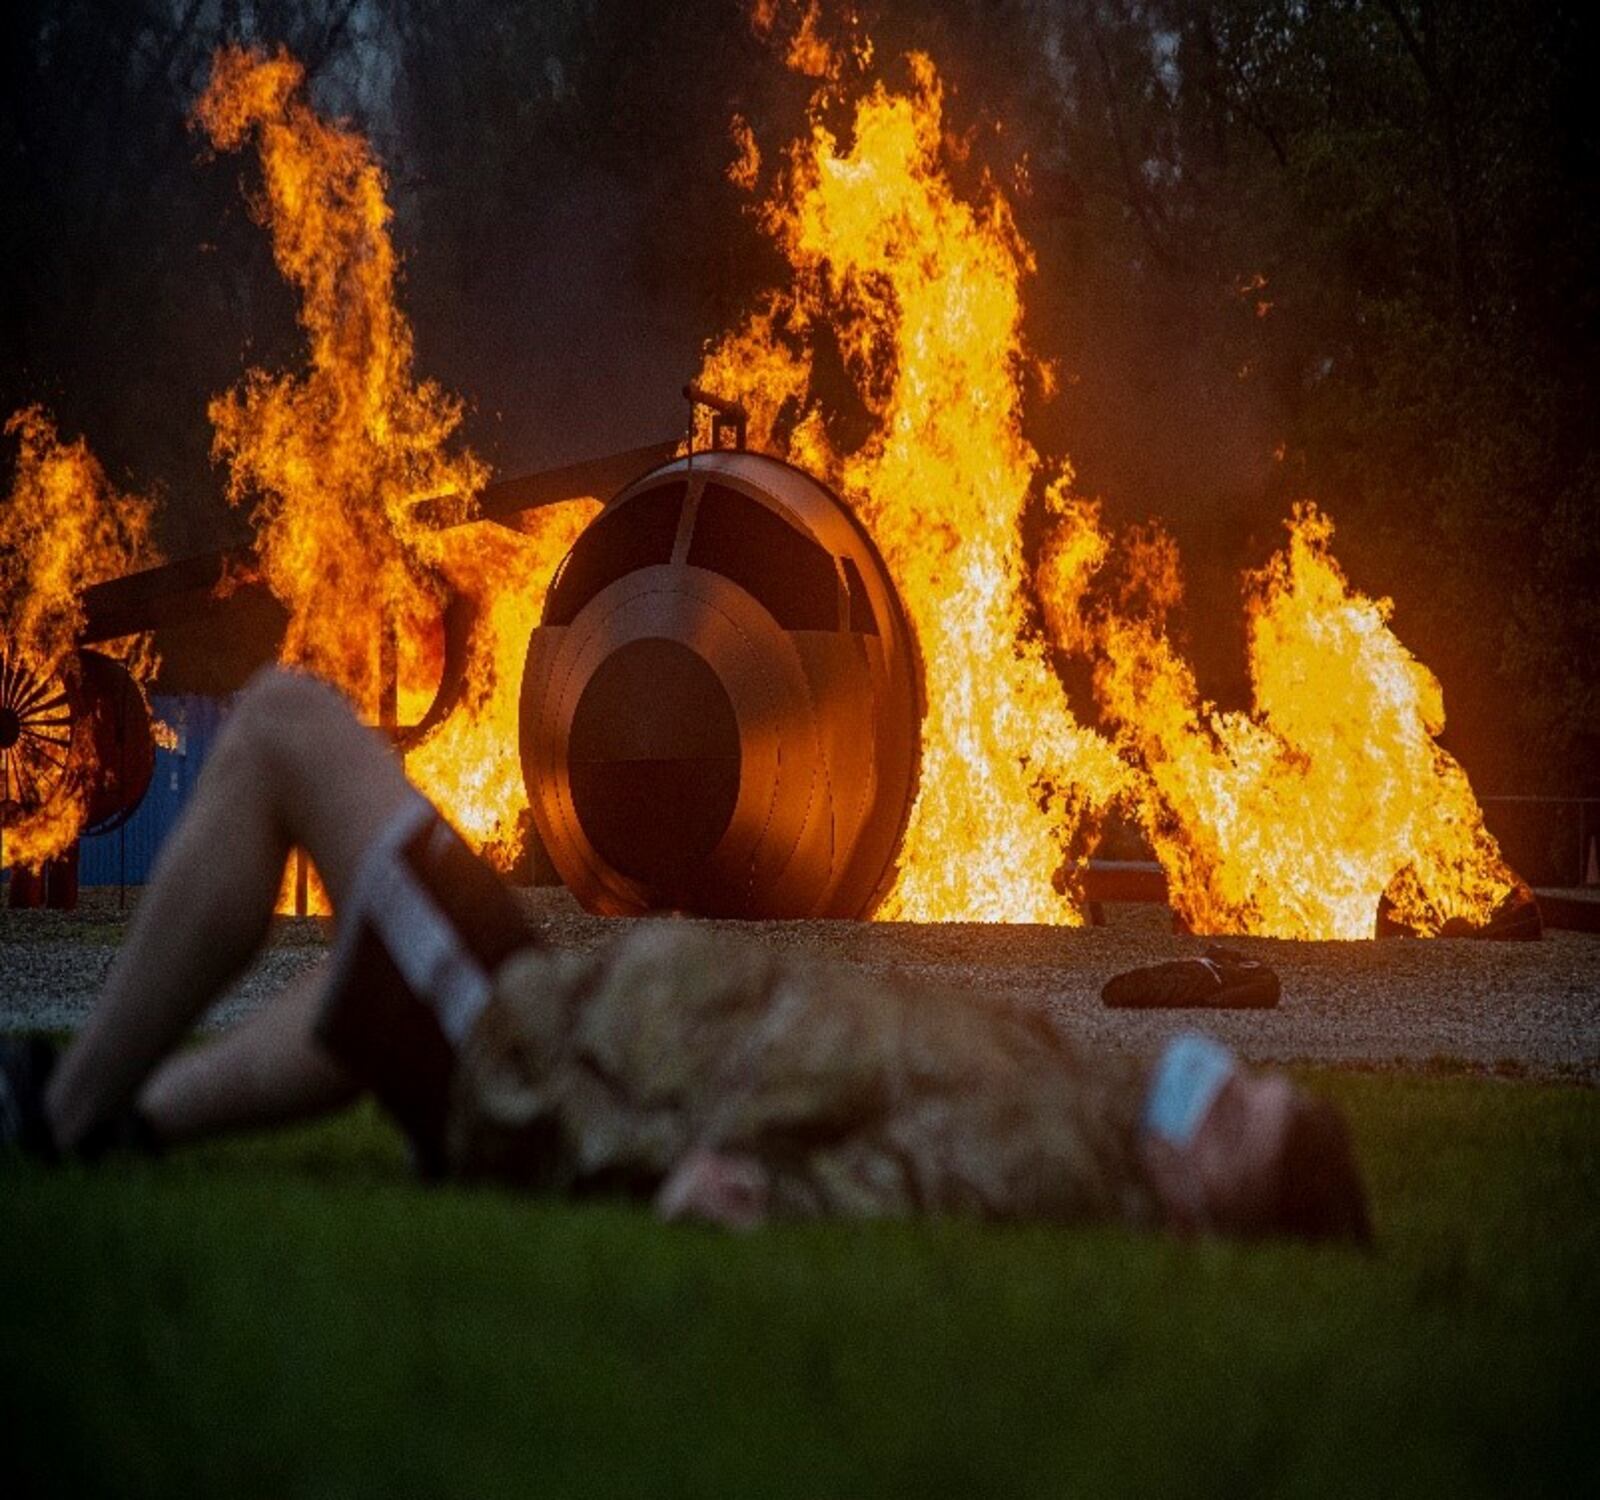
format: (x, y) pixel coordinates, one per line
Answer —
(348, 464)
(471, 764)
(359, 490)
(919, 289)
(1293, 820)
(64, 526)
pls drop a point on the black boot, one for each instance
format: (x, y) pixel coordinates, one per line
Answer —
(26, 1064)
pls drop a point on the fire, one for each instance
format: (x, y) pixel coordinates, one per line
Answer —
(921, 290)
(348, 463)
(807, 50)
(1295, 819)
(471, 763)
(1292, 820)
(64, 527)
(744, 171)
(357, 486)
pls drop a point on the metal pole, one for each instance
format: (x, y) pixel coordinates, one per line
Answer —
(388, 673)
(122, 784)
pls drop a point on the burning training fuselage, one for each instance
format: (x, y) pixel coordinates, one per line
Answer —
(714, 716)
(707, 689)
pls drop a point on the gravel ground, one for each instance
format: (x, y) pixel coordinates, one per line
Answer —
(1519, 1008)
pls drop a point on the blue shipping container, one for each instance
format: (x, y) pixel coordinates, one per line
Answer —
(127, 854)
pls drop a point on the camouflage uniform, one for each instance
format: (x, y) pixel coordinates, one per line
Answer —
(860, 1095)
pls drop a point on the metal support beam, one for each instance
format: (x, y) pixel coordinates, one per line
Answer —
(197, 588)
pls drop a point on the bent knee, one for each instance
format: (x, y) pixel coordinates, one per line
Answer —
(284, 690)
(278, 711)
(277, 701)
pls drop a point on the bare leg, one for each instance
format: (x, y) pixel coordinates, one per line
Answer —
(294, 766)
(265, 1071)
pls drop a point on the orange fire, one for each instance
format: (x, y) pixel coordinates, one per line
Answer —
(471, 763)
(357, 485)
(347, 463)
(64, 527)
(921, 291)
(806, 49)
(1292, 820)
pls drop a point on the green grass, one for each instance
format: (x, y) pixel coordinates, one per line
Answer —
(293, 1317)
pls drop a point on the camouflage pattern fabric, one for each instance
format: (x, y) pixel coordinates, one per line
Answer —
(861, 1095)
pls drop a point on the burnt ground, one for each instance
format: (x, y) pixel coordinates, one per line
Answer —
(1521, 1009)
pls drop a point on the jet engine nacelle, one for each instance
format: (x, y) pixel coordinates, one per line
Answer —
(721, 709)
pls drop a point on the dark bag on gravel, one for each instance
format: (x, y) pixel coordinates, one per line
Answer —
(1220, 979)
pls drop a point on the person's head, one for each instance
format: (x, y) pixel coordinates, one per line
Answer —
(1267, 1159)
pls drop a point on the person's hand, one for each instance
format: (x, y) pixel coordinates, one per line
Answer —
(715, 1187)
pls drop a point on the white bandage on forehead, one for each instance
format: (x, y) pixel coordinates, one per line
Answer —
(1184, 1086)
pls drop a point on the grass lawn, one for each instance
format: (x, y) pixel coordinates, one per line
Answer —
(293, 1317)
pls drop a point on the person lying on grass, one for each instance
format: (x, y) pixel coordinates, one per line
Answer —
(720, 1080)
